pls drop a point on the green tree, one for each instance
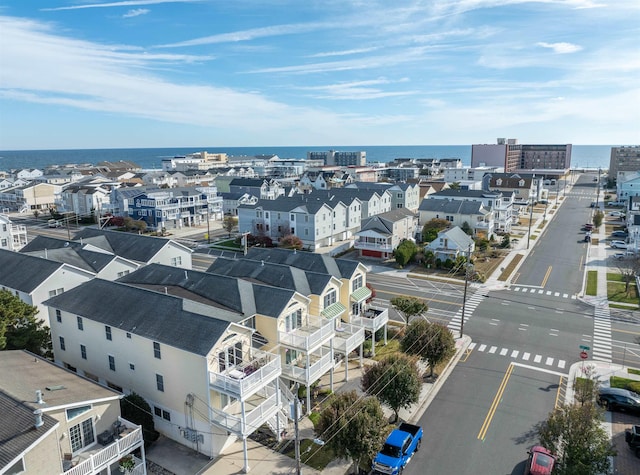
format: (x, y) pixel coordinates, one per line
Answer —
(574, 433)
(506, 242)
(353, 427)
(431, 342)
(20, 329)
(409, 307)
(291, 241)
(405, 251)
(598, 217)
(455, 185)
(36, 213)
(136, 409)
(466, 227)
(395, 381)
(229, 223)
(432, 227)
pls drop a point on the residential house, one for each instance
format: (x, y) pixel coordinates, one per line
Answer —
(627, 184)
(231, 201)
(354, 293)
(314, 285)
(183, 341)
(86, 197)
(36, 196)
(450, 244)
(262, 188)
(34, 279)
(319, 221)
(373, 201)
(526, 189)
(135, 247)
(381, 234)
(55, 421)
(501, 203)
(13, 237)
(403, 195)
(457, 212)
(29, 174)
(101, 263)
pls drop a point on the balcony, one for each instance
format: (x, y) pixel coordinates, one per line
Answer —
(257, 409)
(244, 380)
(319, 364)
(307, 338)
(348, 338)
(376, 246)
(371, 319)
(129, 438)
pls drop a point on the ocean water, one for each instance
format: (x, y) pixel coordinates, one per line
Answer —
(590, 156)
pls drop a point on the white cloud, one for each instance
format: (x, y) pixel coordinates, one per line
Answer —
(136, 12)
(126, 3)
(560, 48)
(342, 53)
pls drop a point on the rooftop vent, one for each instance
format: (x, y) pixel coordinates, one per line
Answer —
(39, 421)
(39, 399)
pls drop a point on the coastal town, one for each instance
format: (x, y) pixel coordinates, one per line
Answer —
(221, 291)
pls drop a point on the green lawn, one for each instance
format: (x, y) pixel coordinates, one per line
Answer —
(592, 282)
(229, 243)
(612, 276)
(616, 292)
(311, 454)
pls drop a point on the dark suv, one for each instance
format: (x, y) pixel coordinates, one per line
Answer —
(617, 399)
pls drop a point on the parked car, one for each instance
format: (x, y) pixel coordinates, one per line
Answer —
(618, 244)
(615, 203)
(618, 399)
(617, 214)
(593, 204)
(540, 462)
(398, 449)
(622, 234)
(588, 227)
(53, 223)
(632, 438)
(619, 255)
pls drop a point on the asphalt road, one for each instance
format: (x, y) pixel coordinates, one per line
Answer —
(484, 417)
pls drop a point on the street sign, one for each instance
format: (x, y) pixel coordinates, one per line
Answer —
(584, 355)
(585, 348)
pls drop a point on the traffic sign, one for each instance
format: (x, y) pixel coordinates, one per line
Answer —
(585, 348)
(584, 355)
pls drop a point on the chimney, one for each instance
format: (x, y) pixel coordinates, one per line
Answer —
(262, 262)
(39, 399)
(39, 421)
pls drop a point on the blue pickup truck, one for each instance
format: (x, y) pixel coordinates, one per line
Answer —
(398, 449)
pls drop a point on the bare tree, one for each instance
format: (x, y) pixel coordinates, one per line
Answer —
(629, 268)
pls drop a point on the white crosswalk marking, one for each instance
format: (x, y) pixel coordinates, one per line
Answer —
(601, 349)
(504, 351)
(537, 358)
(526, 356)
(493, 349)
(472, 345)
(549, 361)
(548, 292)
(539, 291)
(561, 364)
(514, 353)
(482, 347)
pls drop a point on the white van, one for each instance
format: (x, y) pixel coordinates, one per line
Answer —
(53, 223)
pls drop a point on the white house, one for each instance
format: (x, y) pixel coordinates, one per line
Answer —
(457, 212)
(450, 244)
(381, 234)
(13, 237)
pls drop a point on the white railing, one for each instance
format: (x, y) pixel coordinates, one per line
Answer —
(252, 420)
(243, 381)
(110, 454)
(318, 331)
(318, 367)
(372, 245)
(371, 319)
(348, 338)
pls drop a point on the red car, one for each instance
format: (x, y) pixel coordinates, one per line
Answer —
(540, 462)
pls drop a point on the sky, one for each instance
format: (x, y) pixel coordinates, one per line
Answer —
(187, 73)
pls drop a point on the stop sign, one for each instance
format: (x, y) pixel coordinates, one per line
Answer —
(584, 355)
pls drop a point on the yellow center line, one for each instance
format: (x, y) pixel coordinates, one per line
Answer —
(581, 262)
(466, 356)
(496, 400)
(624, 331)
(546, 276)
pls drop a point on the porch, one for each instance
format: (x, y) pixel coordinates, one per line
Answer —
(245, 417)
(243, 380)
(372, 319)
(316, 332)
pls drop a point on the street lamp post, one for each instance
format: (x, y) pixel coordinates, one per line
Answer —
(466, 282)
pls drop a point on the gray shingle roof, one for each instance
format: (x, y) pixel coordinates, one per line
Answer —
(17, 431)
(453, 206)
(143, 312)
(72, 253)
(128, 245)
(383, 222)
(340, 268)
(23, 272)
(466, 193)
(277, 275)
(231, 293)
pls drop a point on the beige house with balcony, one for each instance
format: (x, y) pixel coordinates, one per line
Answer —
(54, 421)
(381, 234)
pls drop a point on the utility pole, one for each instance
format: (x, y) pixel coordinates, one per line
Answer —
(295, 425)
(530, 220)
(208, 229)
(466, 282)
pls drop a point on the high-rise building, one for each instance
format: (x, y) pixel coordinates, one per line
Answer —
(511, 155)
(624, 159)
(341, 159)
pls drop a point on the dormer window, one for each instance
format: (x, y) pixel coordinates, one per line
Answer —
(521, 183)
(499, 182)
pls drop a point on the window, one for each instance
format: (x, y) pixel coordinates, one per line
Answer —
(81, 435)
(156, 350)
(157, 411)
(160, 382)
(293, 217)
(58, 316)
(128, 335)
(80, 324)
(5, 242)
(176, 261)
(132, 367)
(123, 273)
(112, 363)
(83, 352)
(62, 345)
(266, 215)
(54, 292)
(166, 415)
(107, 332)
(330, 298)
(356, 284)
